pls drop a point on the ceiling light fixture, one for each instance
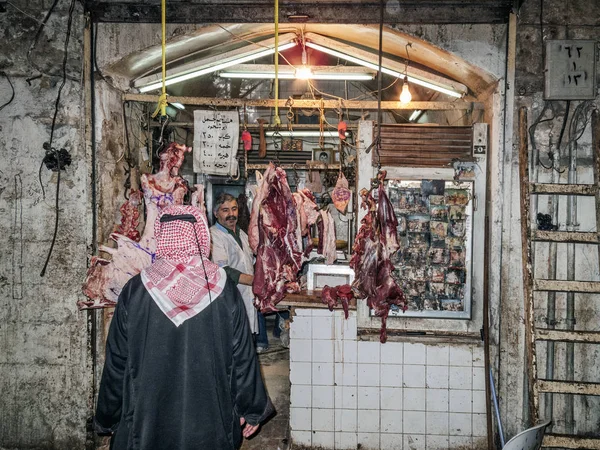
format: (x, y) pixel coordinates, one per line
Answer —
(266, 71)
(386, 70)
(215, 64)
(405, 95)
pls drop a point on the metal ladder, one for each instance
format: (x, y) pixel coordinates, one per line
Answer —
(539, 386)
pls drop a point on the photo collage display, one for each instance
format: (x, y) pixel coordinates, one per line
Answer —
(431, 265)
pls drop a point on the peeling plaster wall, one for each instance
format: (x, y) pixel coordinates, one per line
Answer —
(562, 20)
(45, 366)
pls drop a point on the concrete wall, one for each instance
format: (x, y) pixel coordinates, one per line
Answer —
(571, 20)
(45, 365)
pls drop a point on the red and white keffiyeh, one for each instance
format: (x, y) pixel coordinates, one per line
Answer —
(176, 280)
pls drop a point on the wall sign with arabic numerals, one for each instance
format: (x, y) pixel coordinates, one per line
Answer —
(570, 70)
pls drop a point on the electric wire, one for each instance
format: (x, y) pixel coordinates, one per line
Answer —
(12, 96)
(51, 149)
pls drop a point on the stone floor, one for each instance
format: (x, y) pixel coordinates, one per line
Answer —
(275, 368)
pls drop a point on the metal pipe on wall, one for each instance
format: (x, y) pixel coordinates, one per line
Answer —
(551, 298)
(570, 316)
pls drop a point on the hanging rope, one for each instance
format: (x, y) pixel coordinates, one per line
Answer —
(162, 101)
(277, 121)
(379, 77)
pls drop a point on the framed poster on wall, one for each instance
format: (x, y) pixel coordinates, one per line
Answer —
(433, 264)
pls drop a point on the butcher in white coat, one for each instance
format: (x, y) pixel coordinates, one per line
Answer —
(230, 250)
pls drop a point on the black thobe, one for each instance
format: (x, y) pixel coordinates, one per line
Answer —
(179, 388)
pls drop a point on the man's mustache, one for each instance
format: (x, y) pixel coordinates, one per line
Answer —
(231, 218)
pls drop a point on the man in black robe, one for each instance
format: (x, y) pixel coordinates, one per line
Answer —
(181, 371)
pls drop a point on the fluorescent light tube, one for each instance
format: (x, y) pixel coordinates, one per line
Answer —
(416, 113)
(288, 72)
(391, 72)
(291, 76)
(216, 67)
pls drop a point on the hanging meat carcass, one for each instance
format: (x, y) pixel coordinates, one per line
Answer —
(375, 243)
(327, 244)
(341, 194)
(278, 253)
(331, 295)
(106, 277)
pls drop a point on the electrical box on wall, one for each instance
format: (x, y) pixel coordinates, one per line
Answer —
(480, 139)
(570, 70)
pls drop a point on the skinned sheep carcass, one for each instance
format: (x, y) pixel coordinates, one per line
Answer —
(106, 277)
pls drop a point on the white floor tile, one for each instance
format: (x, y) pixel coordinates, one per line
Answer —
(391, 375)
(438, 355)
(368, 398)
(346, 397)
(368, 374)
(479, 404)
(391, 441)
(460, 424)
(413, 376)
(300, 350)
(437, 377)
(346, 374)
(414, 441)
(479, 425)
(301, 328)
(300, 419)
(300, 372)
(323, 439)
(437, 442)
(413, 422)
(414, 353)
(462, 442)
(346, 441)
(322, 419)
(322, 374)
(322, 327)
(368, 421)
(414, 399)
(302, 438)
(345, 329)
(368, 352)
(436, 400)
(391, 421)
(368, 441)
(461, 355)
(322, 351)
(478, 357)
(300, 396)
(346, 351)
(479, 378)
(460, 401)
(392, 353)
(460, 377)
(436, 423)
(322, 397)
(391, 398)
(346, 420)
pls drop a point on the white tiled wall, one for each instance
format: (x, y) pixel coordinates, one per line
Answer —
(393, 396)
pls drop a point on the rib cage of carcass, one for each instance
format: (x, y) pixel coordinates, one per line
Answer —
(106, 277)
